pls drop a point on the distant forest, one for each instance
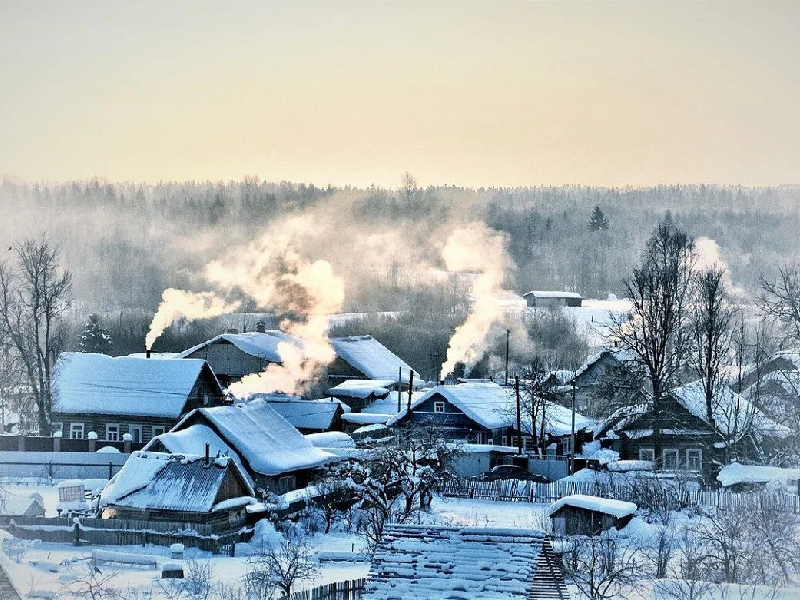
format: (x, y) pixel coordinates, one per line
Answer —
(125, 242)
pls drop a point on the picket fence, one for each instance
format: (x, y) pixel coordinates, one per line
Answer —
(512, 490)
(340, 590)
(119, 532)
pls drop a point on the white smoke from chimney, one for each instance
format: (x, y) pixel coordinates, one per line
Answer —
(177, 304)
(709, 256)
(480, 250)
(278, 278)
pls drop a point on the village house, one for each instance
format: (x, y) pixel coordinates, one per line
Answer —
(359, 393)
(603, 379)
(589, 515)
(552, 299)
(364, 357)
(199, 490)
(439, 562)
(274, 456)
(690, 442)
(744, 478)
(137, 396)
(485, 413)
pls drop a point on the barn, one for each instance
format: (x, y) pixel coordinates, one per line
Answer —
(552, 299)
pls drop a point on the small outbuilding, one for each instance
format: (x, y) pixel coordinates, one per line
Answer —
(589, 515)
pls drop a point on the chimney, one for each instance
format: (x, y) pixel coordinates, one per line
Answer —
(147, 353)
(208, 461)
(261, 327)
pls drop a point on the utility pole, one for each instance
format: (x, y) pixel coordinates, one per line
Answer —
(399, 389)
(572, 436)
(508, 335)
(410, 388)
(519, 417)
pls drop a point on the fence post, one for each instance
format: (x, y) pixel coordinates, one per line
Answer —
(77, 527)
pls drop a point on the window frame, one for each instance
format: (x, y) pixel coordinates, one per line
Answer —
(699, 453)
(670, 452)
(651, 452)
(139, 429)
(111, 426)
(74, 427)
(438, 408)
(153, 430)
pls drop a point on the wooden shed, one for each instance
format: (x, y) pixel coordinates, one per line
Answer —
(589, 515)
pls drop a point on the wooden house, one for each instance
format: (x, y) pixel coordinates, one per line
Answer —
(364, 357)
(603, 379)
(178, 488)
(114, 396)
(437, 562)
(272, 453)
(360, 393)
(552, 299)
(690, 442)
(589, 515)
(306, 415)
(485, 413)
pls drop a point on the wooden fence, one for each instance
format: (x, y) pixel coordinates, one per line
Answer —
(512, 490)
(340, 590)
(118, 532)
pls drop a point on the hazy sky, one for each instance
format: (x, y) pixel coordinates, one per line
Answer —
(455, 92)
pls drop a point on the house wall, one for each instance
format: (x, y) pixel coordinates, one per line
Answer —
(150, 426)
(453, 423)
(570, 520)
(228, 362)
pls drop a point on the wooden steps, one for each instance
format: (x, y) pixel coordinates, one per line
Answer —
(548, 576)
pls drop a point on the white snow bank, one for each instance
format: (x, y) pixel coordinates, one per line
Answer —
(738, 473)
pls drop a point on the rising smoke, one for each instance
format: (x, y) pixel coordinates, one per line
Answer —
(481, 252)
(180, 304)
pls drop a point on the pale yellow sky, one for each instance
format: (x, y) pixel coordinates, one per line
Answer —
(470, 93)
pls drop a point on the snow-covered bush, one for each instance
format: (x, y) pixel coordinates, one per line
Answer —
(16, 549)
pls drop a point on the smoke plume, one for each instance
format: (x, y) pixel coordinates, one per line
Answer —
(709, 256)
(480, 251)
(177, 304)
(277, 277)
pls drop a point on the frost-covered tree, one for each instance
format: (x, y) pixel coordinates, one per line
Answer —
(598, 220)
(94, 337)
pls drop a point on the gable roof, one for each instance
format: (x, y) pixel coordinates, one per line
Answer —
(303, 413)
(551, 294)
(266, 442)
(153, 481)
(192, 441)
(435, 563)
(362, 388)
(370, 357)
(261, 345)
(619, 356)
(98, 384)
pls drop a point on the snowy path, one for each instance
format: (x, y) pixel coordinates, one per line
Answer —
(7, 591)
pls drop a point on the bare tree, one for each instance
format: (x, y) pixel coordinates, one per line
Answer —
(711, 326)
(780, 300)
(34, 292)
(655, 330)
(285, 564)
(600, 567)
(408, 186)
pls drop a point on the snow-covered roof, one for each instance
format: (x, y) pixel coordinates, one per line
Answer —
(22, 505)
(731, 412)
(615, 508)
(263, 345)
(153, 480)
(551, 294)
(388, 405)
(370, 357)
(363, 418)
(362, 388)
(267, 442)
(737, 473)
(302, 413)
(620, 356)
(434, 563)
(98, 384)
(493, 406)
(330, 439)
(192, 441)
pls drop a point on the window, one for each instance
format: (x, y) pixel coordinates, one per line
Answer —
(112, 432)
(694, 459)
(286, 484)
(670, 459)
(136, 433)
(158, 430)
(526, 442)
(505, 440)
(438, 407)
(514, 441)
(647, 454)
(490, 441)
(76, 431)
